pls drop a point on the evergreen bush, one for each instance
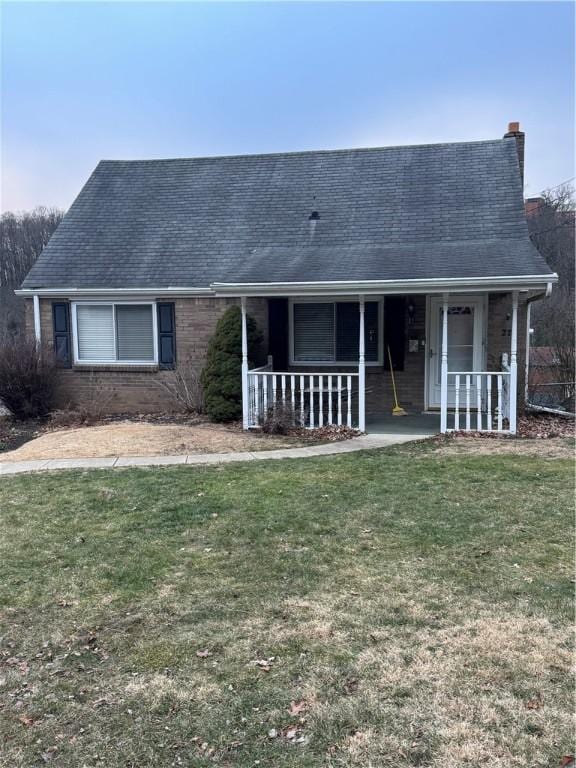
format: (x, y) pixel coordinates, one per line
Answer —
(222, 374)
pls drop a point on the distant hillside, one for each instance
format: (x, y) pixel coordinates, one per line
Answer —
(22, 238)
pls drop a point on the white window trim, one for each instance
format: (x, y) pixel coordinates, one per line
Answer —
(82, 361)
(335, 300)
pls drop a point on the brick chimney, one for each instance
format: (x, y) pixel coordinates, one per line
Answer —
(515, 132)
(534, 204)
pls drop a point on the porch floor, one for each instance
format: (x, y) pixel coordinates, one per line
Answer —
(413, 424)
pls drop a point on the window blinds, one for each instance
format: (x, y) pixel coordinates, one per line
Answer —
(108, 332)
(328, 332)
(134, 332)
(95, 332)
(313, 332)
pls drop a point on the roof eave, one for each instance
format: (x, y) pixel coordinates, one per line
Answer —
(314, 288)
(430, 285)
(134, 291)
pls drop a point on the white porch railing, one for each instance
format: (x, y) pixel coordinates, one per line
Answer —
(312, 399)
(481, 401)
(494, 393)
(315, 399)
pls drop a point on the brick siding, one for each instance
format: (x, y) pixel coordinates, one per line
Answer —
(126, 389)
(129, 389)
(410, 381)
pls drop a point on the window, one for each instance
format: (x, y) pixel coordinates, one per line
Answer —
(114, 333)
(326, 332)
(461, 323)
(314, 332)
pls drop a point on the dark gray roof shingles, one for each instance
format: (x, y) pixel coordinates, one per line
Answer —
(442, 210)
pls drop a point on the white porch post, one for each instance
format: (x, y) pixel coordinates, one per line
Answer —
(37, 325)
(444, 367)
(361, 372)
(244, 365)
(513, 393)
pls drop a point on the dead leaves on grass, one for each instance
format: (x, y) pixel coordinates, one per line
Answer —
(291, 733)
(64, 602)
(26, 720)
(537, 702)
(296, 707)
(203, 746)
(21, 664)
(265, 665)
(48, 754)
(294, 734)
(350, 685)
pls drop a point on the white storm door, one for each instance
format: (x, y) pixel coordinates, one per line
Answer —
(465, 344)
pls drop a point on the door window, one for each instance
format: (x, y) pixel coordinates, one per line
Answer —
(460, 338)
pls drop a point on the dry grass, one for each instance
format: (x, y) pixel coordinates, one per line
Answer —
(552, 448)
(411, 613)
(143, 439)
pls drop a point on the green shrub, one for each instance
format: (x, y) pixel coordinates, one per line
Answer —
(222, 374)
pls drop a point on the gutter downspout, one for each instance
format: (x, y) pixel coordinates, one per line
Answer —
(37, 324)
(544, 295)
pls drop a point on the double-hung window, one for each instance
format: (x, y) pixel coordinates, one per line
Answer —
(324, 332)
(110, 332)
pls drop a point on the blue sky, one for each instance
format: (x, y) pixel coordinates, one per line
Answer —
(86, 81)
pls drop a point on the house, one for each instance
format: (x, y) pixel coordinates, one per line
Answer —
(350, 261)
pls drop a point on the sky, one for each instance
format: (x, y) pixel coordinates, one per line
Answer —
(86, 81)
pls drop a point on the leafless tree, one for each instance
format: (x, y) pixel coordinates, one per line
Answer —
(551, 223)
(22, 238)
(184, 387)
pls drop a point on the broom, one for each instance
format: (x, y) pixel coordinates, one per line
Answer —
(396, 411)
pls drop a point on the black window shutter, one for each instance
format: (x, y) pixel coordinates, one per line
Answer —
(166, 335)
(62, 336)
(394, 331)
(371, 331)
(348, 330)
(278, 332)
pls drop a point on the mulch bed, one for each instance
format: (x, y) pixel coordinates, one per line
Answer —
(545, 425)
(13, 434)
(328, 434)
(66, 419)
(536, 426)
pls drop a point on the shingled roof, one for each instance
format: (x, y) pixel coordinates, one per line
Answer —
(430, 211)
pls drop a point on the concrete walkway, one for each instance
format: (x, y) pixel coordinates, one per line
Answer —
(363, 443)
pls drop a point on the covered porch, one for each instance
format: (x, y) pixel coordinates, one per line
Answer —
(411, 424)
(454, 358)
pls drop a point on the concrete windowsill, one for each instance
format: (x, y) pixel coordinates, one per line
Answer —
(116, 368)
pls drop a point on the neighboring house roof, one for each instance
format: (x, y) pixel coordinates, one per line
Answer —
(413, 212)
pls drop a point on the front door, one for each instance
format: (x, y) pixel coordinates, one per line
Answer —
(465, 343)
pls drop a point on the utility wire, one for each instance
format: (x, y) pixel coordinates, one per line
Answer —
(549, 189)
(545, 204)
(561, 184)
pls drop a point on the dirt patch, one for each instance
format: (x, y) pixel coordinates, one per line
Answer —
(553, 448)
(540, 426)
(144, 439)
(544, 435)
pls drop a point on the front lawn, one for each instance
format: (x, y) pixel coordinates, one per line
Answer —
(392, 608)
